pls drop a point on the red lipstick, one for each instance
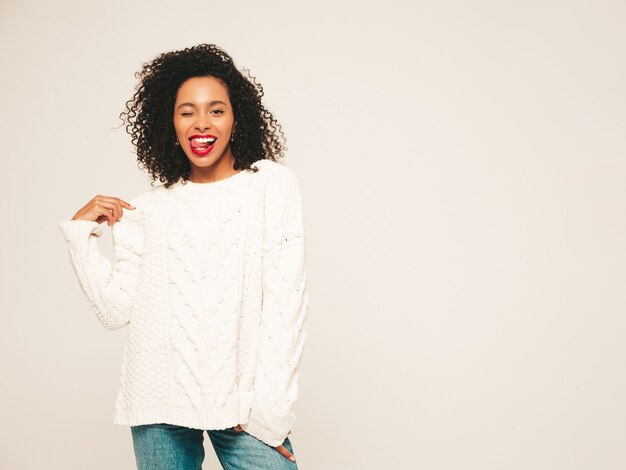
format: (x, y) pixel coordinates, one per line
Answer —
(202, 139)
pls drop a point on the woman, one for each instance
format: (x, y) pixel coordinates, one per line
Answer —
(208, 272)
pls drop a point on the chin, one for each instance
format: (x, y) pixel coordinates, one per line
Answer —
(205, 161)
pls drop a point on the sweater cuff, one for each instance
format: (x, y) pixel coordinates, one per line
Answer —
(77, 230)
(271, 438)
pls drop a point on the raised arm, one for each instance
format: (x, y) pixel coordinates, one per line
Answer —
(110, 288)
(283, 318)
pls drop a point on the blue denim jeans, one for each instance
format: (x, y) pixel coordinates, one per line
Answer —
(170, 447)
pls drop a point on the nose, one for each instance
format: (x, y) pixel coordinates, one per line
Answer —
(203, 122)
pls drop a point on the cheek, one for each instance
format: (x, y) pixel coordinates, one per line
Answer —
(178, 126)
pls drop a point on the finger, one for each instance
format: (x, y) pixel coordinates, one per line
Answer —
(283, 450)
(101, 210)
(117, 211)
(111, 204)
(107, 209)
(119, 203)
(115, 207)
(120, 212)
(125, 204)
(115, 199)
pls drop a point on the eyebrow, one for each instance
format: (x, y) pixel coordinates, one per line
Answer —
(212, 103)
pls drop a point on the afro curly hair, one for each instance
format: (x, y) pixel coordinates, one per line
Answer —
(148, 115)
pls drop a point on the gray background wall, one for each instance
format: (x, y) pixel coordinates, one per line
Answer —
(462, 168)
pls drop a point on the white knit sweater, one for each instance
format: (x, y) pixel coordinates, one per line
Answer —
(210, 278)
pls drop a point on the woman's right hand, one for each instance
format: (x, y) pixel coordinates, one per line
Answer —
(102, 208)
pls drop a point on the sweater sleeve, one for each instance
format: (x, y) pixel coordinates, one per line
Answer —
(110, 288)
(283, 323)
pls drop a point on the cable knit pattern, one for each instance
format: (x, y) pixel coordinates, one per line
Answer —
(210, 278)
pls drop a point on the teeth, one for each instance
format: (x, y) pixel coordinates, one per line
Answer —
(204, 139)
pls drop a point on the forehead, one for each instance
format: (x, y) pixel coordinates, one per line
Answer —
(201, 89)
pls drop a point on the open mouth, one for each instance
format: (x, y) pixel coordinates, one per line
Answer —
(202, 143)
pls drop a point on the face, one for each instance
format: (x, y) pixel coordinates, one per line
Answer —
(203, 120)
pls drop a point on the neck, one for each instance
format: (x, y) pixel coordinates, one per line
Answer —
(220, 169)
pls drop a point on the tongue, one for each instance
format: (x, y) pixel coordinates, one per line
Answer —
(201, 145)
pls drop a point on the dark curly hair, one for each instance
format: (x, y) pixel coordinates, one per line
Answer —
(148, 116)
